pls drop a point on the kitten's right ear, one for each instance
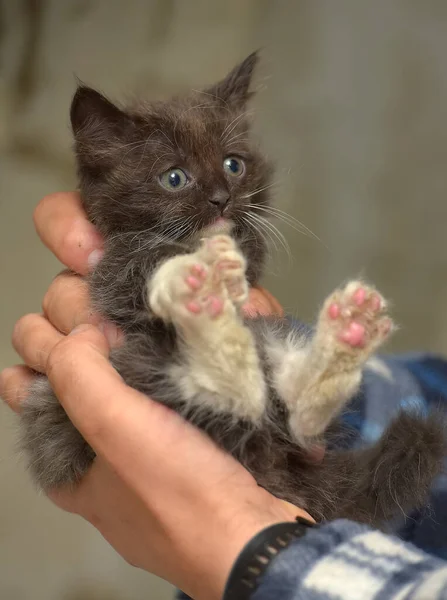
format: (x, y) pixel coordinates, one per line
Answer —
(234, 89)
(91, 111)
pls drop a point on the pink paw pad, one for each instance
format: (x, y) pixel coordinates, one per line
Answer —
(193, 282)
(199, 271)
(194, 307)
(354, 335)
(197, 276)
(334, 311)
(214, 306)
(359, 296)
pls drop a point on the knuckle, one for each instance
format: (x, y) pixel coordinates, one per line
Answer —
(61, 351)
(59, 355)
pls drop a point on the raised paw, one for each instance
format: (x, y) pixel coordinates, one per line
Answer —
(184, 287)
(357, 317)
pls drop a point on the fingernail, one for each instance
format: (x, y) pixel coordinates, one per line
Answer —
(94, 258)
(112, 333)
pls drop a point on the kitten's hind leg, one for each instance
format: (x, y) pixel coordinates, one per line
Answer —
(318, 380)
(201, 294)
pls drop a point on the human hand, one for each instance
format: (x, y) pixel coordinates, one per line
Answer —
(159, 493)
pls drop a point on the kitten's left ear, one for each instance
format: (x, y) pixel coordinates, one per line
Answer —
(234, 89)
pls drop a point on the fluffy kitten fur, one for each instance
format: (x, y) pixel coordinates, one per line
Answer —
(174, 279)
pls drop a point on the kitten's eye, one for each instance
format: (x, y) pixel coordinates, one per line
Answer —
(174, 179)
(234, 166)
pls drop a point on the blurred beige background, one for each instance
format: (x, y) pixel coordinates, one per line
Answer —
(353, 108)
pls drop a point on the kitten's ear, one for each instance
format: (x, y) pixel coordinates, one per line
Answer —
(234, 89)
(91, 112)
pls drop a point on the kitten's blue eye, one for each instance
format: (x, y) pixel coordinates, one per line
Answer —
(234, 166)
(174, 179)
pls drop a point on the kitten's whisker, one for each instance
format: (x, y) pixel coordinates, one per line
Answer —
(288, 220)
(260, 226)
(249, 235)
(144, 151)
(170, 144)
(214, 96)
(232, 125)
(251, 226)
(154, 163)
(276, 233)
(259, 190)
(235, 137)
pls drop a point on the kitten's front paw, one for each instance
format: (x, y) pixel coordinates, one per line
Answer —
(356, 317)
(206, 284)
(181, 288)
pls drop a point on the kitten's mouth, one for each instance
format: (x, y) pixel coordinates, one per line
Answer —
(219, 225)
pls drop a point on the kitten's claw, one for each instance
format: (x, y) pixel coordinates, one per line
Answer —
(356, 317)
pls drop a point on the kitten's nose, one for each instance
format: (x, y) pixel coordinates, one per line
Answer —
(220, 198)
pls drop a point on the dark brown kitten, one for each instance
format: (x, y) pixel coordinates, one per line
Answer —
(178, 191)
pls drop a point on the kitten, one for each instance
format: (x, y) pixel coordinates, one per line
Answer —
(179, 191)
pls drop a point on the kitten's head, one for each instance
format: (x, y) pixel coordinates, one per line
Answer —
(176, 168)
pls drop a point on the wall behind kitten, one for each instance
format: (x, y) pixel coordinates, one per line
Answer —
(354, 111)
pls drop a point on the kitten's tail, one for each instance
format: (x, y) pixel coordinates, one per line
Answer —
(393, 475)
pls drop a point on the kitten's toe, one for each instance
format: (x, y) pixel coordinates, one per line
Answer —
(209, 283)
(230, 268)
(212, 248)
(187, 291)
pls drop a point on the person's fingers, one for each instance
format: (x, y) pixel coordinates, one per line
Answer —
(111, 416)
(63, 227)
(78, 369)
(33, 339)
(262, 303)
(14, 385)
(66, 303)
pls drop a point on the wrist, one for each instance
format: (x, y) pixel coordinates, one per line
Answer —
(233, 526)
